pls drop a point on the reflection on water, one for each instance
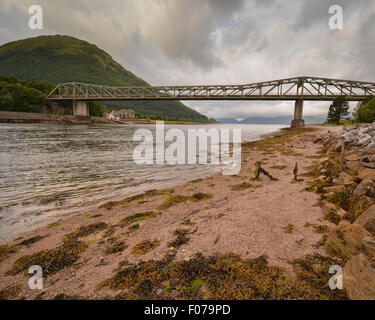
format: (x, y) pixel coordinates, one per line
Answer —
(50, 170)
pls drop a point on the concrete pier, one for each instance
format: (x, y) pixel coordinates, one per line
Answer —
(298, 122)
(81, 108)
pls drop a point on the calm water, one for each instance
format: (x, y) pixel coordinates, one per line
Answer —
(47, 171)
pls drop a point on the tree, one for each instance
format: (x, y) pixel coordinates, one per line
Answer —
(338, 109)
(96, 109)
(6, 102)
(365, 111)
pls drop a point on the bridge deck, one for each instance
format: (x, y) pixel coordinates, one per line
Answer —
(305, 88)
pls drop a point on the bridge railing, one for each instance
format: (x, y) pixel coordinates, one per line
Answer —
(307, 88)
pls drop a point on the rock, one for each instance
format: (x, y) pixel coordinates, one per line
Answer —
(369, 248)
(352, 157)
(366, 173)
(341, 212)
(317, 140)
(334, 189)
(367, 220)
(353, 165)
(344, 179)
(371, 158)
(329, 205)
(159, 292)
(346, 239)
(365, 188)
(370, 165)
(320, 179)
(359, 278)
(330, 195)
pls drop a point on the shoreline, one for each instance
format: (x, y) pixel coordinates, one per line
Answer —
(236, 214)
(45, 118)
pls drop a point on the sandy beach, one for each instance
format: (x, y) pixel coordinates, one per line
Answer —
(239, 215)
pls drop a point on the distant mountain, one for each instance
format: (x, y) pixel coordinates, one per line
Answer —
(273, 120)
(65, 59)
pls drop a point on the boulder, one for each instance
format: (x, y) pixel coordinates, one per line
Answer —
(369, 248)
(371, 158)
(330, 195)
(365, 188)
(366, 173)
(359, 278)
(353, 165)
(370, 165)
(346, 239)
(351, 157)
(344, 179)
(334, 189)
(367, 220)
(329, 205)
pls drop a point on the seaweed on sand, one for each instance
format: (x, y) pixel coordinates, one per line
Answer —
(6, 251)
(10, 292)
(175, 199)
(181, 238)
(51, 260)
(222, 277)
(145, 247)
(139, 198)
(242, 186)
(65, 255)
(117, 248)
(30, 241)
(138, 217)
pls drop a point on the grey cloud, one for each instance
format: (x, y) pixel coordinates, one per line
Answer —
(215, 41)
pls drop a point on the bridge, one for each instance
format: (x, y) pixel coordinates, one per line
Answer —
(296, 89)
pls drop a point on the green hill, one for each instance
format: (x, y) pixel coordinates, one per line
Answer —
(65, 59)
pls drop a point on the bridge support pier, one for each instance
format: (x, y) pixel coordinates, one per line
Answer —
(81, 109)
(298, 122)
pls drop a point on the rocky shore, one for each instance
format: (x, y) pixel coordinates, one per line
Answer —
(345, 182)
(302, 203)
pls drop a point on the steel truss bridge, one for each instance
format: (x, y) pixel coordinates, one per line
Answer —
(298, 89)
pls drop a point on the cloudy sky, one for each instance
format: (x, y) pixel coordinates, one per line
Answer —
(178, 42)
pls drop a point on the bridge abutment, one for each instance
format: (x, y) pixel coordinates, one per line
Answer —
(298, 122)
(81, 108)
